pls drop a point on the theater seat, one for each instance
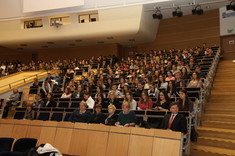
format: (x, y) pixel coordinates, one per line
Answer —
(57, 117)
(5, 144)
(44, 116)
(22, 145)
(67, 115)
(19, 115)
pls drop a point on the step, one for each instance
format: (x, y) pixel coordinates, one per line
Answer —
(219, 117)
(216, 142)
(218, 124)
(216, 132)
(223, 89)
(195, 152)
(221, 100)
(215, 150)
(220, 111)
(218, 107)
(219, 92)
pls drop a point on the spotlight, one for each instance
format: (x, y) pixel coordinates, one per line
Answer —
(157, 14)
(177, 12)
(198, 10)
(231, 6)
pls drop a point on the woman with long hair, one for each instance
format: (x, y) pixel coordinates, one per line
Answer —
(185, 104)
(129, 99)
(145, 102)
(163, 101)
(195, 81)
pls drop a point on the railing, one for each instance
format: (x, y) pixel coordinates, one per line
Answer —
(208, 85)
(21, 81)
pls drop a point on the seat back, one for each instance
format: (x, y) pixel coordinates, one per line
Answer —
(44, 116)
(24, 144)
(5, 144)
(57, 117)
(19, 115)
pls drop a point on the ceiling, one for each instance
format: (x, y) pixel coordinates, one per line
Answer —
(125, 40)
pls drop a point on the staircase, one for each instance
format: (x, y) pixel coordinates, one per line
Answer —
(217, 133)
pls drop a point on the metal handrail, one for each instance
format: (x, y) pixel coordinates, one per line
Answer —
(24, 80)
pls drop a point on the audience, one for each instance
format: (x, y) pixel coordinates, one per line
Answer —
(98, 116)
(38, 102)
(145, 102)
(184, 103)
(128, 98)
(50, 102)
(163, 101)
(29, 113)
(195, 81)
(89, 101)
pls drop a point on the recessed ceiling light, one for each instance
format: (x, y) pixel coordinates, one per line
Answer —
(44, 46)
(110, 38)
(132, 40)
(50, 42)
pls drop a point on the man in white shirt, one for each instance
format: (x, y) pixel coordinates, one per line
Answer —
(90, 102)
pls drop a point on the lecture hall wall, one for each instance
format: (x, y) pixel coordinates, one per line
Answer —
(186, 31)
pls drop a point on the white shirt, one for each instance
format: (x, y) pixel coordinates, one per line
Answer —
(90, 102)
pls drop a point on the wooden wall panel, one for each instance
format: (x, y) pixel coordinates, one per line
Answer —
(184, 32)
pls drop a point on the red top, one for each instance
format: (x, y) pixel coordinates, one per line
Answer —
(145, 105)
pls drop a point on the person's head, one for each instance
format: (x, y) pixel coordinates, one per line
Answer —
(122, 80)
(29, 107)
(110, 81)
(86, 95)
(35, 80)
(50, 96)
(128, 96)
(67, 91)
(163, 96)
(171, 84)
(111, 109)
(183, 94)
(178, 75)
(161, 78)
(174, 108)
(184, 70)
(83, 105)
(114, 87)
(38, 97)
(198, 69)
(98, 108)
(125, 107)
(112, 95)
(144, 96)
(99, 97)
(79, 88)
(195, 76)
(99, 89)
(169, 74)
(140, 86)
(15, 90)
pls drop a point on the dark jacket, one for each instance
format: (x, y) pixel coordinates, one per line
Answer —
(51, 103)
(179, 123)
(111, 120)
(98, 118)
(80, 117)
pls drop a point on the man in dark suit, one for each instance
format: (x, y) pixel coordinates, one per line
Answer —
(175, 121)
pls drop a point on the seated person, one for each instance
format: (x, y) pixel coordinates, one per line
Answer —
(89, 101)
(129, 99)
(139, 90)
(161, 82)
(29, 113)
(117, 92)
(174, 121)
(179, 82)
(113, 100)
(199, 72)
(153, 92)
(98, 116)
(81, 114)
(12, 101)
(50, 102)
(78, 93)
(66, 94)
(145, 102)
(163, 101)
(38, 102)
(195, 82)
(171, 89)
(126, 117)
(112, 116)
(99, 100)
(184, 103)
(35, 82)
(170, 76)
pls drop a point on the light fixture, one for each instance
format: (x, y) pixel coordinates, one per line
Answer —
(177, 12)
(197, 10)
(231, 6)
(157, 14)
